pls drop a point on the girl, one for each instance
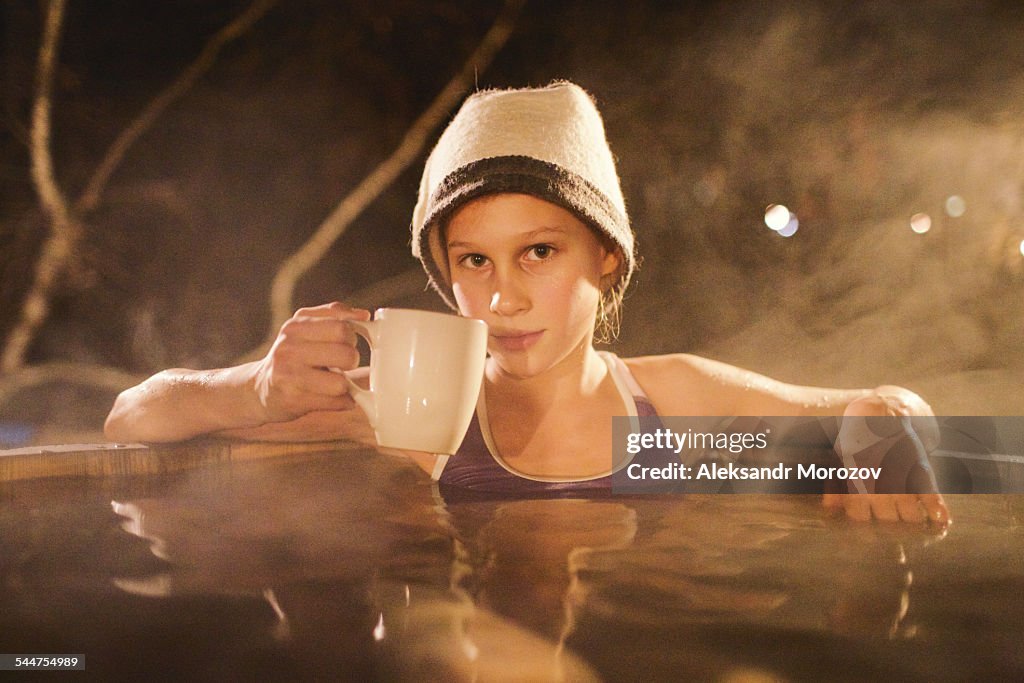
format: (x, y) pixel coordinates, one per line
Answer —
(520, 222)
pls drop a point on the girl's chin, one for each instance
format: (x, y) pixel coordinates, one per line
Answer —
(539, 358)
(515, 366)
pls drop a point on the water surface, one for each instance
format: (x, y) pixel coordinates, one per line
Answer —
(348, 565)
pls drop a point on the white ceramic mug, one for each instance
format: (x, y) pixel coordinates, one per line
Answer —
(425, 374)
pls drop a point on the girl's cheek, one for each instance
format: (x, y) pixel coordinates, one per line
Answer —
(584, 298)
(468, 299)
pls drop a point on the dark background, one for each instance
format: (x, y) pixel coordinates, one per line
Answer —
(854, 115)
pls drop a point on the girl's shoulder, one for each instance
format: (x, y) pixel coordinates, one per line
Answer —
(685, 384)
(684, 366)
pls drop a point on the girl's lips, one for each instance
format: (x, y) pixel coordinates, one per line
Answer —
(515, 341)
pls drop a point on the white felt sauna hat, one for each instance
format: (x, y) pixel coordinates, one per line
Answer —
(547, 142)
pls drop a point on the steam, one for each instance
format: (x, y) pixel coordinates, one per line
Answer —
(836, 199)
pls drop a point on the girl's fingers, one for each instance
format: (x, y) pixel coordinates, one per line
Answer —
(857, 507)
(320, 329)
(909, 508)
(334, 309)
(883, 507)
(320, 382)
(317, 390)
(936, 510)
(324, 323)
(888, 507)
(327, 355)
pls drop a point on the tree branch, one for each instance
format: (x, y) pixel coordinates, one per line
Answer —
(115, 154)
(383, 292)
(64, 227)
(309, 254)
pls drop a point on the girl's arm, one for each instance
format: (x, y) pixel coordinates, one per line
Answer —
(267, 395)
(683, 384)
(177, 404)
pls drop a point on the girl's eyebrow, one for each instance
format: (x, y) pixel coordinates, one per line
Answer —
(525, 237)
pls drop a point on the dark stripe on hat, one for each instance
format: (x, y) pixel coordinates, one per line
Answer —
(527, 175)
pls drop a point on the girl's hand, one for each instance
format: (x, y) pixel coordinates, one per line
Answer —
(925, 505)
(916, 508)
(317, 425)
(300, 372)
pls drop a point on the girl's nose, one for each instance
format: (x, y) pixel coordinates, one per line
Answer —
(509, 298)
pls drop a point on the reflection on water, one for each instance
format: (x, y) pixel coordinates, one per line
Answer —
(350, 567)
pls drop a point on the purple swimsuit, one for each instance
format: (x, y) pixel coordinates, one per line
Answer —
(475, 471)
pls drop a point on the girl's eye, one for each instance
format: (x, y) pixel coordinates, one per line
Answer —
(539, 252)
(473, 260)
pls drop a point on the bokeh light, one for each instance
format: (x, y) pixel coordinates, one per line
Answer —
(791, 227)
(920, 223)
(1022, 247)
(777, 217)
(955, 206)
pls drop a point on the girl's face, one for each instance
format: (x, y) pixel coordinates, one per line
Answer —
(532, 271)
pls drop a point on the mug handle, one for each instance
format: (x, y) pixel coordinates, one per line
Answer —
(363, 397)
